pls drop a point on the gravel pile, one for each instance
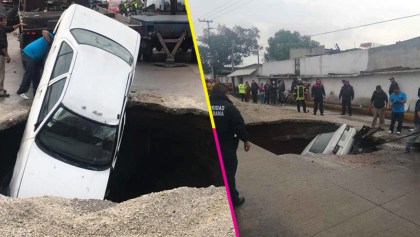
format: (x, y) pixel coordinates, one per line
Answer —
(178, 212)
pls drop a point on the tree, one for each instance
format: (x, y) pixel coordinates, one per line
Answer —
(216, 48)
(279, 46)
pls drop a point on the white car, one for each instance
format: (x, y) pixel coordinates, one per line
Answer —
(76, 122)
(338, 143)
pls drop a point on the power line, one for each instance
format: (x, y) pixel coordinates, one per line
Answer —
(374, 23)
(230, 9)
(219, 7)
(208, 14)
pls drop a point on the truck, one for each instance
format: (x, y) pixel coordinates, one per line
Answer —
(164, 26)
(44, 14)
(39, 15)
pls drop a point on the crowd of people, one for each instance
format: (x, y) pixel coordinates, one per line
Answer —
(274, 92)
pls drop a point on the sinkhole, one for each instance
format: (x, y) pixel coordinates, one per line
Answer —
(287, 136)
(161, 149)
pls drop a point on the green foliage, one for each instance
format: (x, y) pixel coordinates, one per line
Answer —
(216, 48)
(279, 46)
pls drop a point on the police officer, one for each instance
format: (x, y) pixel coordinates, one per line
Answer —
(230, 129)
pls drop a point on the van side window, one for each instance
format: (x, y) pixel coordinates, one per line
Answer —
(52, 95)
(63, 62)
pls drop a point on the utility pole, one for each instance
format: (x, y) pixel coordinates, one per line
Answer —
(231, 57)
(212, 56)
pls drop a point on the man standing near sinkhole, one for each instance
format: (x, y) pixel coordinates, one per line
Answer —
(230, 129)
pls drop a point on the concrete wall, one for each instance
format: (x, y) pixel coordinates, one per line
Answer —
(342, 63)
(278, 67)
(404, 54)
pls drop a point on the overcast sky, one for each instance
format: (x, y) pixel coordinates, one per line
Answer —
(310, 17)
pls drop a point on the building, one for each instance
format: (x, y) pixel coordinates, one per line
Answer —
(364, 68)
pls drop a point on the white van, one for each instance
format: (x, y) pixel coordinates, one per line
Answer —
(76, 122)
(338, 143)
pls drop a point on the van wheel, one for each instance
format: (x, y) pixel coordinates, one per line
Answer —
(148, 53)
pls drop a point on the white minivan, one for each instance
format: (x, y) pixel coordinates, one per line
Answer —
(338, 143)
(76, 122)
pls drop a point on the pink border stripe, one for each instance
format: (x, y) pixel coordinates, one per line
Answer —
(222, 166)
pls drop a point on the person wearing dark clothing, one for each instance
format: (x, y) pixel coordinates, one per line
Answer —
(299, 91)
(230, 129)
(282, 89)
(294, 82)
(416, 130)
(273, 92)
(318, 94)
(4, 54)
(393, 85)
(32, 56)
(346, 96)
(267, 93)
(254, 91)
(379, 102)
(247, 92)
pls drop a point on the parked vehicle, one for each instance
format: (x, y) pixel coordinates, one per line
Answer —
(165, 26)
(39, 15)
(113, 6)
(75, 126)
(338, 143)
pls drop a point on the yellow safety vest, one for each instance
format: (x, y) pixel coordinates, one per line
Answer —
(241, 88)
(300, 92)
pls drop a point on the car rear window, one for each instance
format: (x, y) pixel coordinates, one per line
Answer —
(83, 36)
(321, 142)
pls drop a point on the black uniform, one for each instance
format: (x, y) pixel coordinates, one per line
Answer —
(392, 87)
(230, 128)
(347, 95)
(267, 93)
(254, 92)
(318, 93)
(282, 89)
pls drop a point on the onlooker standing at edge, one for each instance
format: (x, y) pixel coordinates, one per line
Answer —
(32, 56)
(318, 95)
(346, 96)
(392, 86)
(379, 102)
(254, 91)
(273, 92)
(416, 129)
(267, 92)
(4, 54)
(230, 129)
(261, 93)
(397, 101)
(247, 92)
(300, 90)
(241, 89)
(282, 89)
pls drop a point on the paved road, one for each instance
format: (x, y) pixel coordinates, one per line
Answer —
(177, 87)
(357, 195)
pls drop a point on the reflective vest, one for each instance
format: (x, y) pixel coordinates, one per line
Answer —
(241, 88)
(300, 92)
(136, 5)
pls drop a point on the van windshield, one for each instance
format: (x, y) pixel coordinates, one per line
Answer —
(83, 36)
(321, 142)
(76, 140)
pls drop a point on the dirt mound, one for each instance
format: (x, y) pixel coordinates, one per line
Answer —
(178, 212)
